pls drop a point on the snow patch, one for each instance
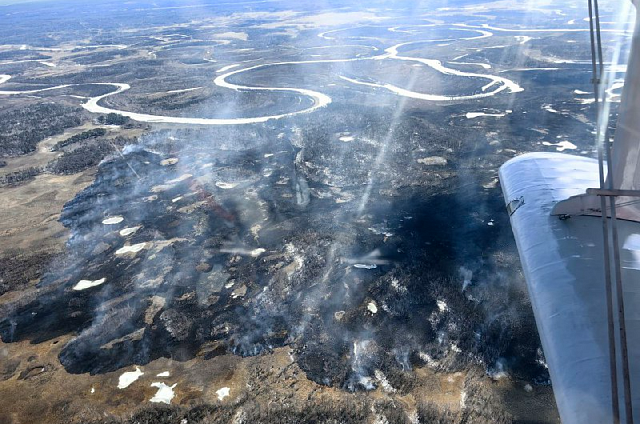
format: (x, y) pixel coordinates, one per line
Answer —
(561, 146)
(128, 231)
(135, 248)
(164, 394)
(586, 101)
(225, 186)
(127, 378)
(523, 38)
(170, 161)
(472, 115)
(113, 220)
(222, 393)
(85, 284)
(548, 108)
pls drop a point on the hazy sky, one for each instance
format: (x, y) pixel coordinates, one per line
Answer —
(7, 2)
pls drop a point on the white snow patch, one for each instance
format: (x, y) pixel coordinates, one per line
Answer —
(561, 146)
(127, 378)
(472, 115)
(164, 393)
(113, 220)
(222, 393)
(523, 38)
(128, 231)
(85, 284)
(170, 161)
(365, 266)
(135, 248)
(372, 307)
(611, 96)
(586, 101)
(164, 374)
(225, 186)
(346, 138)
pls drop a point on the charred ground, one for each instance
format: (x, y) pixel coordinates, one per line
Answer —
(305, 289)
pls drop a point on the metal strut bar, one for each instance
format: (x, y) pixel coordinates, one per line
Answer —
(626, 377)
(613, 244)
(615, 407)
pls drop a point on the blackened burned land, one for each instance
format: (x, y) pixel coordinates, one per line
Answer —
(22, 129)
(240, 241)
(94, 133)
